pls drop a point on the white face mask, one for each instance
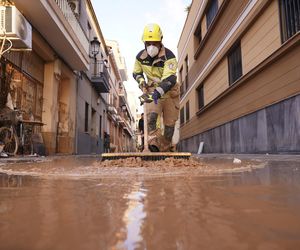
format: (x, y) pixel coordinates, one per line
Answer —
(152, 50)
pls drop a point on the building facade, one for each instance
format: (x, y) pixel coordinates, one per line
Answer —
(60, 80)
(240, 72)
(120, 114)
(94, 86)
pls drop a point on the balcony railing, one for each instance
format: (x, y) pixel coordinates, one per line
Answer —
(122, 91)
(73, 21)
(111, 109)
(100, 76)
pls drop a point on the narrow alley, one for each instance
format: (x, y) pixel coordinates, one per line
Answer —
(134, 125)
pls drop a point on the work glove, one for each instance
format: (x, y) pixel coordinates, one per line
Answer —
(142, 84)
(145, 98)
(155, 96)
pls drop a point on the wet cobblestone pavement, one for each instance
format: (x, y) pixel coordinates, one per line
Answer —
(80, 203)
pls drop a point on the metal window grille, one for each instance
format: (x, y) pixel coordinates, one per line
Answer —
(200, 97)
(182, 116)
(235, 64)
(187, 111)
(290, 18)
(211, 12)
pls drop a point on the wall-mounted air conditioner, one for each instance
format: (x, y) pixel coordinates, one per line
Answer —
(16, 28)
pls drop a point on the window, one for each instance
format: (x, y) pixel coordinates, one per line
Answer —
(290, 18)
(186, 82)
(200, 93)
(211, 12)
(93, 122)
(180, 75)
(197, 33)
(186, 60)
(181, 82)
(181, 90)
(182, 116)
(235, 64)
(187, 111)
(86, 118)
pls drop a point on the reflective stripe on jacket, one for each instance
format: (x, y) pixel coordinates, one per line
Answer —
(162, 68)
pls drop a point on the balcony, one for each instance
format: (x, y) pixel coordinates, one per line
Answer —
(57, 23)
(112, 110)
(122, 121)
(129, 131)
(122, 94)
(100, 77)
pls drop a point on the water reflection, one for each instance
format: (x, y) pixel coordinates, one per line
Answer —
(11, 181)
(133, 218)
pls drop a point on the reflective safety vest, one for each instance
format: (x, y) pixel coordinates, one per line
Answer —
(162, 67)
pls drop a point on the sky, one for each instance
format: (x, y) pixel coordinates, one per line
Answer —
(124, 21)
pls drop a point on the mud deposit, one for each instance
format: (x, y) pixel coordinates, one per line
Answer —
(67, 167)
(83, 203)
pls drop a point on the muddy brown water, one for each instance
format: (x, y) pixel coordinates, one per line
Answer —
(73, 203)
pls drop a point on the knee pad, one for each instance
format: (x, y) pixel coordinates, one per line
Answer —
(152, 118)
(168, 133)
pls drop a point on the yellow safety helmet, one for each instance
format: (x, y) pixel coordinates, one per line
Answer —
(152, 33)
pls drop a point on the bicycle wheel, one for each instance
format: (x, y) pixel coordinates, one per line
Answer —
(10, 140)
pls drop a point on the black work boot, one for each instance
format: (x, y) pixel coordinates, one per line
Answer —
(154, 140)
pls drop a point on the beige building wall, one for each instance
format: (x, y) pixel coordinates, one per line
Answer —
(217, 82)
(262, 39)
(276, 83)
(188, 32)
(50, 108)
(270, 70)
(203, 26)
(265, 31)
(67, 112)
(59, 109)
(118, 57)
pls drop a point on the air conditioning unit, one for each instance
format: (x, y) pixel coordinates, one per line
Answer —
(74, 4)
(16, 27)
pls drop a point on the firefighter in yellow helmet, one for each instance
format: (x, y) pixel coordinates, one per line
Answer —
(155, 71)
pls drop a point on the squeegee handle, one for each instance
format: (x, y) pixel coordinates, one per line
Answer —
(146, 149)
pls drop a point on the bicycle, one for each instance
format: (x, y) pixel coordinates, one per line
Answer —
(8, 134)
(16, 133)
(9, 138)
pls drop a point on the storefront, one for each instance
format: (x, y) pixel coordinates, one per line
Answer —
(22, 76)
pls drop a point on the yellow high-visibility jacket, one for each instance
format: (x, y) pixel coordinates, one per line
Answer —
(159, 71)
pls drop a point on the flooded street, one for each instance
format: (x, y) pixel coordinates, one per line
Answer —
(79, 203)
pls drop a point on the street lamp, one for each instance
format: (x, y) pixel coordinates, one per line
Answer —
(95, 47)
